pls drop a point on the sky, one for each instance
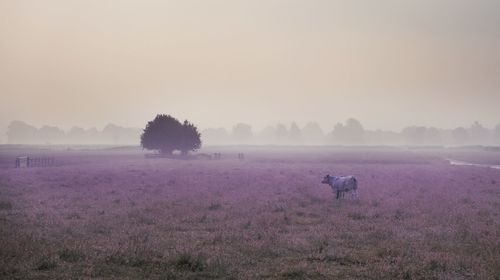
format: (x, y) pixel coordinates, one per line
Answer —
(387, 63)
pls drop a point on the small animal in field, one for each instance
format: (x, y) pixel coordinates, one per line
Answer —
(342, 184)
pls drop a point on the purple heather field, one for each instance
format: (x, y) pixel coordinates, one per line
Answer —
(114, 214)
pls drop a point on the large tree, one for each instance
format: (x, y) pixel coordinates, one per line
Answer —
(190, 138)
(166, 134)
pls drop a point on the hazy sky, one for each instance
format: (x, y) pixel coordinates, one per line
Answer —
(387, 63)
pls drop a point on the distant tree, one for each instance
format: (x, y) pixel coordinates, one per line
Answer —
(350, 133)
(76, 133)
(268, 135)
(478, 134)
(433, 136)
(497, 133)
(51, 134)
(460, 135)
(242, 133)
(20, 132)
(295, 135)
(414, 135)
(312, 133)
(281, 133)
(92, 136)
(354, 125)
(166, 134)
(112, 133)
(115, 134)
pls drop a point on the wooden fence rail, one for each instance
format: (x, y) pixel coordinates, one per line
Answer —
(34, 161)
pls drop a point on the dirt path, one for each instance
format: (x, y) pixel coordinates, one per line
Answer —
(458, 162)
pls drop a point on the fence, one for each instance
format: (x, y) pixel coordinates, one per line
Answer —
(34, 161)
(217, 156)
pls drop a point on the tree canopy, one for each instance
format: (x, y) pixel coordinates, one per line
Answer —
(166, 134)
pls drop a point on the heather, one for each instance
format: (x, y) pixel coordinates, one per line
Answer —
(114, 214)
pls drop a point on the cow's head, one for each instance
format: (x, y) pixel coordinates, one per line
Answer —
(326, 179)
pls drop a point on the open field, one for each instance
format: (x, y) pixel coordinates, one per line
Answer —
(112, 214)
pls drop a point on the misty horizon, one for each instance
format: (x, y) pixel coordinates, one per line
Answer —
(328, 125)
(388, 64)
(350, 132)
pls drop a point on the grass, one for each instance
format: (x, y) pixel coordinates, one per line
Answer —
(190, 263)
(71, 255)
(4, 205)
(266, 217)
(215, 206)
(46, 265)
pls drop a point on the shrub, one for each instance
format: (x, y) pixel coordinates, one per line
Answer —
(46, 265)
(69, 255)
(356, 216)
(215, 206)
(190, 263)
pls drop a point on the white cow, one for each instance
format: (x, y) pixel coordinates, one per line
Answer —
(342, 184)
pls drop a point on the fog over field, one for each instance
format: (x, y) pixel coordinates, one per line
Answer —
(250, 139)
(350, 133)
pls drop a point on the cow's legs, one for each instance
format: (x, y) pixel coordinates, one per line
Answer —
(338, 194)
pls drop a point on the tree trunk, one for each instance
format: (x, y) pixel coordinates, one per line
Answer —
(166, 152)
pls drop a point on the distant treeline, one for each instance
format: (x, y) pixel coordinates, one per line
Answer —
(349, 133)
(20, 132)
